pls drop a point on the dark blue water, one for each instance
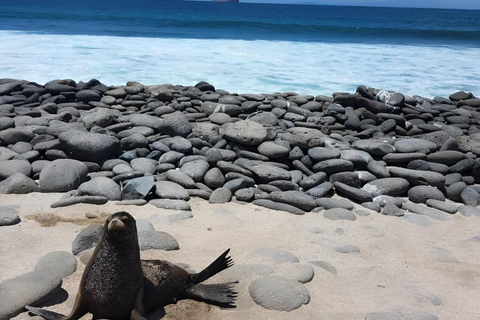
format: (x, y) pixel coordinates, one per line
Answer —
(243, 21)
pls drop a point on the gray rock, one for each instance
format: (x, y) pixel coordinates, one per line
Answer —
(390, 209)
(277, 293)
(98, 200)
(57, 264)
(419, 177)
(352, 193)
(156, 240)
(133, 141)
(18, 183)
(144, 225)
(300, 272)
(235, 184)
(295, 198)
(195, 169)
(330, 203)
(323, 153)
(220, 195)
(137, 188)
(455, 190)
(214, 178)
(442, 205)
(387, 186)
(87, 238)
(171, 204)
(448, 157)
(14, 135)
(6, 154)
(272, 150)
(332, 166)
(414, 145)
(180, 178)
(420, 194)
(245, 132)
(374, 147)
(424, 210)
(468, 211)
(339, 214)
(179, 144)
(270, 204)
(34, 287)
(144, 120)
(268, 172)
(313, 180)
(62, 175)
(349, 248)
(320, 190)
(10, 167)
(145, 165)
(470, 197)
(102, 118)
(171, 190)
(89, 146)
(246, 194)
(8, 216)
(101, 186)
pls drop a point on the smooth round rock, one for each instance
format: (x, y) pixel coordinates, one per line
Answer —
(322, 153)
(87, 238)
(272, 150)
(156, 240)
(62, 175)
(294, 198)
(57, 264)
(420, 194)
(171, 190)
(18, 183)
(10, 167)
(246, 132)
(330, 203)
(101, 186)
(195, 169)
(89, 146)
(277, 293)
(220, 195)
(387, 186)
(414, 145)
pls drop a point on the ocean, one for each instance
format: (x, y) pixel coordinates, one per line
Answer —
(242, 47)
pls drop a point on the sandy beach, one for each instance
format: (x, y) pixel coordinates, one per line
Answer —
(401, 267)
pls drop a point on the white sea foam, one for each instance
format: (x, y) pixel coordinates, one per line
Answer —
(241, 66)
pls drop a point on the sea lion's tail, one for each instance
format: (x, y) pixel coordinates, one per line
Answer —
(221, 294)
(220, 264)
(49, 315)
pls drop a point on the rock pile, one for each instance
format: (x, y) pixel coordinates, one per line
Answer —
(163, 144)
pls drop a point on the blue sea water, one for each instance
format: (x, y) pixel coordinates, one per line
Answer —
(242, 47)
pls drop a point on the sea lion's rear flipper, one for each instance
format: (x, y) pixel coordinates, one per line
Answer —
(221, 263)
(49, 315)
(221, 294)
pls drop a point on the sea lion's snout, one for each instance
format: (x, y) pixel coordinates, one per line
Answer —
(116, 225)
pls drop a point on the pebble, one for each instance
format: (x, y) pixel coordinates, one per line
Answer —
(87, 238)
(330, 203)
(270, 204)
(278, 293)
(387, 186)
(137, 188)
(171, 190)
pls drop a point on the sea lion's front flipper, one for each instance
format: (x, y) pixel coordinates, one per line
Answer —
(49, 315)
(138, 310)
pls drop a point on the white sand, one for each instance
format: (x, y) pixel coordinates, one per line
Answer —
(401, 266)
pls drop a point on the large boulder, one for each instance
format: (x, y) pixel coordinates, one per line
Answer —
(87, 146)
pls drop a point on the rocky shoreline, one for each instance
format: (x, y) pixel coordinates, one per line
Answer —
(380, 151)
(163, 144)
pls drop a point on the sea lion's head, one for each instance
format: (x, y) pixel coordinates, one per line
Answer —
(120, 225)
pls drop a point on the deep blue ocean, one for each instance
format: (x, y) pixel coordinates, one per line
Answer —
(242, 46)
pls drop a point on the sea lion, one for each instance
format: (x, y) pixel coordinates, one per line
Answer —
(112, 284)
(166, 283)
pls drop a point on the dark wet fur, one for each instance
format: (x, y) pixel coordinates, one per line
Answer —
(166, 283)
